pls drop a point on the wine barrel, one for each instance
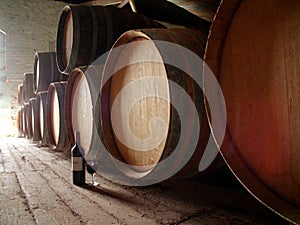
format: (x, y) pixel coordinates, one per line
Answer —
(253, 50)
(56, 117)
(42, 118)
(28, 92)
(137, 118)
(20, 94)
(34, 119)
(45, 70)
(81, 95)
(86, 32)
(28, 121)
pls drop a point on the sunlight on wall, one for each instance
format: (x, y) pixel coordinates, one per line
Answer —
(6, 127)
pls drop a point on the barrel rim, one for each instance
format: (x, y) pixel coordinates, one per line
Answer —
(142, 33)
(38, 105)
(42, 102)
(35, 127)
(42, 56)
(27, 81)
(63, 143)
(63, 67)
(89, 73)
(35, 62)
(68, 101)
(51, 90)
(28, 122)
(106, 128)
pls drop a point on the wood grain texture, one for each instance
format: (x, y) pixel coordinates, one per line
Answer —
(42, 117)
(13, 207)
(56, 117)
(82, 91)
(36, 188)
(45, 70)
(24, 120)
(204, 9)
(34, 119)
(137, 121)
(28, 121)
(67, 39)
(82, 111)
(28, 87)
(144, 110)
(87, 32)
(254, 52)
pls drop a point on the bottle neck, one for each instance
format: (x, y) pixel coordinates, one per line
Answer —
(77, 143)
(77, 138)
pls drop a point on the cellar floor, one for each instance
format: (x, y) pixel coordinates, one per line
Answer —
(36, 188)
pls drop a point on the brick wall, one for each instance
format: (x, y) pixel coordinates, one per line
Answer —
(30, 26)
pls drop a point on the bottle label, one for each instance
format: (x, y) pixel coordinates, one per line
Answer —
(77, 163)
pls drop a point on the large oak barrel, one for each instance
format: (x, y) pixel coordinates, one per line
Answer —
(20, 94)
(56, 116)
(42, 117)
(34, 119)
(45, 70)
(253, 50)
(132, 116)
(86, 32)
(28, 92)
(81, 95)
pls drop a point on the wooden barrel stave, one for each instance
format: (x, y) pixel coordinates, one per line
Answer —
(35, 122)
(194, 39)
(81, 95)
(45, 70)
(260, 93)
(28, 121)
(192, 14)
(28, 87)
(24, 121)
(56, 117)
(86, 32)
(42, 117)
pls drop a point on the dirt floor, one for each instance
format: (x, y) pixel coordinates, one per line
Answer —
(36, 188)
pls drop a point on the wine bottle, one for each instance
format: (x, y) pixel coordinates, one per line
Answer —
(78, 162)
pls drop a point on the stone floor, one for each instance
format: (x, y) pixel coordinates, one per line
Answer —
(36, 188)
